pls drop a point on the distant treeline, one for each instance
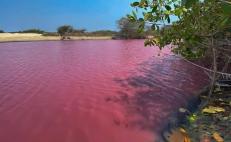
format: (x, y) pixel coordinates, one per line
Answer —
(74, 32)
(83, 32)
(127, 30)
(37, 31)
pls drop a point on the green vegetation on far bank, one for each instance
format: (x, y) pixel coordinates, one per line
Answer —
(99, 33)
(73, 32)
(126, 30)
(37, 31)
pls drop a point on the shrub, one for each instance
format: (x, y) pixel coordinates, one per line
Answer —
(38, 31)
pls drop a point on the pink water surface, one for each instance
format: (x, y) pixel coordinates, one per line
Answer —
(90, 91)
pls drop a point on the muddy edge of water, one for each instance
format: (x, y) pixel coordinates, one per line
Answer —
(177, 119)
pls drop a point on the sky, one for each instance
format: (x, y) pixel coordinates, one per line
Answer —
(47, 15)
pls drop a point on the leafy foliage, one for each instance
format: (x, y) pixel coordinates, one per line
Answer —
(198, 22)
(65, 30)
(129, 29)
(201, 28)
(1, 31)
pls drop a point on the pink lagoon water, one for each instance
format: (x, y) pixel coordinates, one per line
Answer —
(90, 91)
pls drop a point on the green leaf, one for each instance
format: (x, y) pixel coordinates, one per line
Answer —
(224, 22)
(168, 19)
(135, 4)
(141, 19)
(226, 9)
(147, 16)
(192, 118)
(131, 18)
(167, 12)
(134, 15)
(177, 11)
(153, 27)
(154, 8)
(141, 27)
(189, 3)
(168, 7)
(143, 4)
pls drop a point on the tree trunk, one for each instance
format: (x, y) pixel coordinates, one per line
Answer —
(214, 78)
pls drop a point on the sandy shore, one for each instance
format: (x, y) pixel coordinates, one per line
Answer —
(7, 37)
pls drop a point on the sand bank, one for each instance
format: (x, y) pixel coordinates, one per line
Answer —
(7, 37)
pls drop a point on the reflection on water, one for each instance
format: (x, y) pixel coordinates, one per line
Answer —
(90, 91)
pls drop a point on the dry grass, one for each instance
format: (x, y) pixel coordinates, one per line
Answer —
(6, 37)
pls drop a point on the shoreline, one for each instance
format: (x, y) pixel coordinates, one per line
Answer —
(202, 124)
(172, 130)
(31, 37)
